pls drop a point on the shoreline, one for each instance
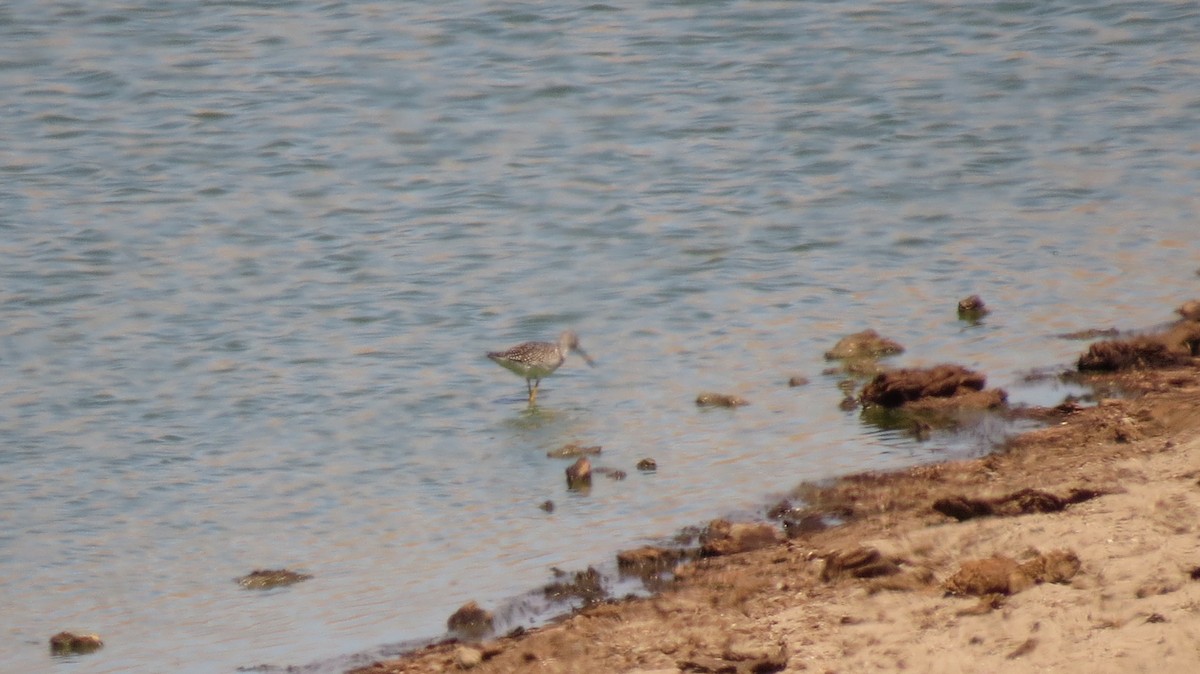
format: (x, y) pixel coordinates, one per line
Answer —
(902, 584)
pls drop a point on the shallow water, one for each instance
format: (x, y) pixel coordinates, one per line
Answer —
(255, 251)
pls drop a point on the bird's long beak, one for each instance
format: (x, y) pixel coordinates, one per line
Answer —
(586, 358)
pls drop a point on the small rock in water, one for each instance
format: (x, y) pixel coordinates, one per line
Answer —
(708, 399)
(69, 643)
(797, 381)
(610, 473)
(571, 450)
(866, 344)
(647, 464)
(265, 579)
(579, 474)
(547, 505)
(972, 308)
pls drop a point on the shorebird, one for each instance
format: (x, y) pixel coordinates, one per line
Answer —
(535, 360)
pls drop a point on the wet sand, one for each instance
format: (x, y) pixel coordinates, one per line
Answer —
(1075, 547)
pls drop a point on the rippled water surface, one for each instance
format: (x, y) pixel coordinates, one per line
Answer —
(253, 253)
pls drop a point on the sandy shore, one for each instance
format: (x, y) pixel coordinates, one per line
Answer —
(1095, 570)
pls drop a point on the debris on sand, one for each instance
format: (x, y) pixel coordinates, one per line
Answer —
(723, 537)
(1021, 502)
(1003, 575)
(862, 562)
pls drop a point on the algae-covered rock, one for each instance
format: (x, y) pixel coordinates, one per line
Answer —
(69, 643)
(265, 579)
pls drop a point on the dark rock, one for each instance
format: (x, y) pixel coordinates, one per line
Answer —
(962, 508)
(972, 308)
(647, 465)
(797, 381)
(897, 387)
(547, 505)
(1021, 502)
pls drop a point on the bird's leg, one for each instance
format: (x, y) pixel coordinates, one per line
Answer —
(533, 391)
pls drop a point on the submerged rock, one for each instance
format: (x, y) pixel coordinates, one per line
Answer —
(573, 449)
(866, 344)
(265, 579)
(797, 381)
(709, 399)
(1090, 333)
(610, 473)
(69, 643)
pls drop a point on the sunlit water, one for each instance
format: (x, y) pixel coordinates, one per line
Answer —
(253, 253)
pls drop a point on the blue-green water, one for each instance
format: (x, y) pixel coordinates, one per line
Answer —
(253, 253)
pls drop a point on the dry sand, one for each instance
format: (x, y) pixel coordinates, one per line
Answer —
(1109, 583)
